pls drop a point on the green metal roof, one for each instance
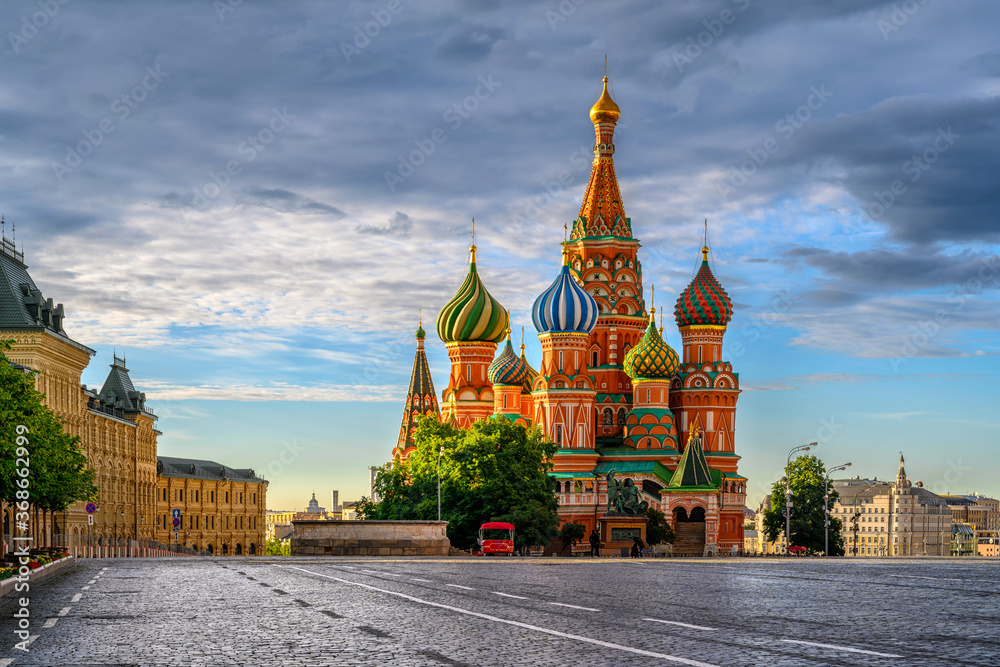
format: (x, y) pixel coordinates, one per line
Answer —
(693, 470)
(635, 468)
(571, 475)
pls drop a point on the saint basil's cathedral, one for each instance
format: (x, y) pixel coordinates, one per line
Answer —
(610, 392)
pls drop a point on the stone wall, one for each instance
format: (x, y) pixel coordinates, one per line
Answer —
(370, 538)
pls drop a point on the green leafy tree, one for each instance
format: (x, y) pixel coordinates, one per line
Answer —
(658, 530)
(807, 479)
(493, 471)
(276, 547)
(58, 473)
(571, 533)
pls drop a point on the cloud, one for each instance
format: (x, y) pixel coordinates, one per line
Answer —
(160, 391)
(399, 224)
(917, 268)
(816, 379)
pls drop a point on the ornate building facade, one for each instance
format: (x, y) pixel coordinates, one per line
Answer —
(610, 391)
(117, 431)
(892, 518)
(222, 508)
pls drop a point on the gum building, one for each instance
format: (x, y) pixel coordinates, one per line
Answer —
(117, 430)
(610, 391)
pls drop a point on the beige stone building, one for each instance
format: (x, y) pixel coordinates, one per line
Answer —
(222, 508)
(779, 546)
(892, 518)
(117, 431)
(115, 428)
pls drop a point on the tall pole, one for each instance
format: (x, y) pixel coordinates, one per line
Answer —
(788, 494)
(440, 454)
(826, 506)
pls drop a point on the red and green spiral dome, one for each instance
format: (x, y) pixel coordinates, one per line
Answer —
(704, 301)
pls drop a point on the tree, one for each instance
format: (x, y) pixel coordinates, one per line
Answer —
(492, 471)
(276, 547)
(658, 530)
(58, 473)
(571, 533)
(807, 480)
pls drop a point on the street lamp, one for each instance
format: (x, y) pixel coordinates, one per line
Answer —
(440, 454)
(826, 506)
(788, 494)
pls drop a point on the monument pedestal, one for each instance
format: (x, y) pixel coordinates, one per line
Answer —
(618, 531)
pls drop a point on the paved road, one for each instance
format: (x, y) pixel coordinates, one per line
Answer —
(306, 611)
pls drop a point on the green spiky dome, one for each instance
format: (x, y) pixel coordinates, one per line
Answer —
(652, 358)
(472, 315)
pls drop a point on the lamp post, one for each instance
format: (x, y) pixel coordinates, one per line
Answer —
(788, 494)
(440, 454)
(826, 506)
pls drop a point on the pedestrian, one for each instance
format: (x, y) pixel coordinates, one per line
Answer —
(595, 543)
(637, 547)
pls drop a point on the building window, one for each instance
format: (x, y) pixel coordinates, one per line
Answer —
(559, 435)
(647, 395)
(699, 354)
(505, 400)
(227, 496)
(213, 496)
(560, 361)
(196, 494)
(468, 372)
(594, 359)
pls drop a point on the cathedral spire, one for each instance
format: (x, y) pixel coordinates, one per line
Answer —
(602, 213)
(420, 397)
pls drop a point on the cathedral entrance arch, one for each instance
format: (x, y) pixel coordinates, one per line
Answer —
(698, 514)
(680, 515)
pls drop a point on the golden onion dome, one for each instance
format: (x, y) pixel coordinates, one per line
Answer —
(652, 358)
(605, 110)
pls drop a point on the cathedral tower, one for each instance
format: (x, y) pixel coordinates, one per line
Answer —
(651, 364)
(564, 315)
(508, 373)
(706, 388)
(603, 258)
(471, 325)
(420, 399)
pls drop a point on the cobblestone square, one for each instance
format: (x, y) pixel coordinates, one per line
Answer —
(325, 611)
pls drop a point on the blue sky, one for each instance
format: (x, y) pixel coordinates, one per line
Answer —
(217, 189)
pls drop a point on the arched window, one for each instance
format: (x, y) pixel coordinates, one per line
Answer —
(621, 416)
(468, 372)
(594, 358)
(608, 417)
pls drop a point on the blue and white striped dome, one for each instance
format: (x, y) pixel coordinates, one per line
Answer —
(564, 307)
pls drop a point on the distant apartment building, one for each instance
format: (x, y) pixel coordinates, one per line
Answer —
(892, 518)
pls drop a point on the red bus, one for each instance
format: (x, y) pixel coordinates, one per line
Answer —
(493, 541)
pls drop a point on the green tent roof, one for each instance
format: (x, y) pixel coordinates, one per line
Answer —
(692, 470)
